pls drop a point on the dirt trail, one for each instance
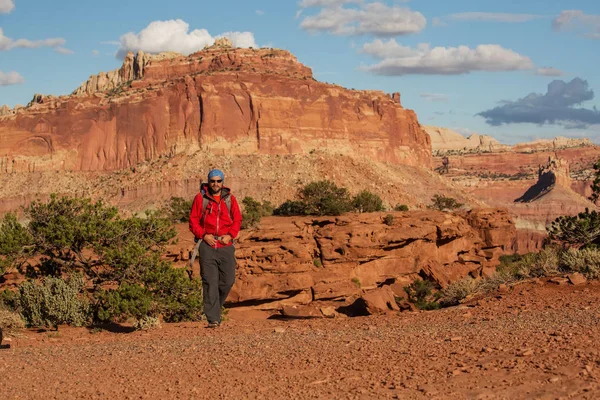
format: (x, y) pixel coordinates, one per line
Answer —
(538, 341)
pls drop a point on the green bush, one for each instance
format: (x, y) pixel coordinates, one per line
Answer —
(254, 211)
(178, 298)
(54, 302)
(290, 208)
(420, 293)
(401, 207)
(388, 220)
(71, 236)
(15, 242)
(129, 300)
(317, 198)
(178, 209)
(325, 198)
(157, 289)
(581, 230)
(443, 203)
(366, 202)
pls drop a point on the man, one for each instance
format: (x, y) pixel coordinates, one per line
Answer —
(215, 219)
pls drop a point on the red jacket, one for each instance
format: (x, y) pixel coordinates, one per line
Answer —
(215, 219)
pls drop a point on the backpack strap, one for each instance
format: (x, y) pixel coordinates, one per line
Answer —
(205, 202)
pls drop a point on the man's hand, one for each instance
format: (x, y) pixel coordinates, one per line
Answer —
(210, 240)
(226, 239)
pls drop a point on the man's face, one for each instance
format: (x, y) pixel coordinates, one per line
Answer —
(215, 184)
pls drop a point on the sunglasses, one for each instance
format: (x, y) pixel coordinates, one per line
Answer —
(216, 181)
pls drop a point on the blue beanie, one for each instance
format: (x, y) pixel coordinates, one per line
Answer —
(216, 172)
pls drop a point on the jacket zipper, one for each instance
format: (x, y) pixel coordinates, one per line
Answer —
(218, 214)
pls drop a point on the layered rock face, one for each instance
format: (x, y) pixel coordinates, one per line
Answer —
(219, 100)
(445, 140)
(298, 260)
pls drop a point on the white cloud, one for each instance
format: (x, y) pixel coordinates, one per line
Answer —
(549, 71)
(95, 53)
(325, 3)
(10, 78)
(492, 17)
(7, 43)
(259, 12)
(401, 60)
(373, 18)
(6, 6)
(434, 96)
(577, 19)
(173, 35)
(63, 50)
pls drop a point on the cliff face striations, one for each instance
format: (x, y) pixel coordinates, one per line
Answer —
(220, 100)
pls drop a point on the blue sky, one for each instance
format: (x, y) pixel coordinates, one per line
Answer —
(516, 70)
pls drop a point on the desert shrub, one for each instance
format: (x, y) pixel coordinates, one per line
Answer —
(254, 211)
(366, 202)
(580, 230)
(157, 289)
(71, 236)
(9, 300)
(458, 291)
(401, 207)
(129, 300)
(147, 323)
(317, 262)
(15, 242)
(290, 208)
(178, 298)
(585, 261)
(442, 203)
(10, 321)
(76, 234)
(356, 281)
(530, 265)
(53, 302)
(420, 293)
(178, 209)
(324, 198)
(388, 220)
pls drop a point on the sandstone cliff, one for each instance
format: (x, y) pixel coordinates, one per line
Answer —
(219, 100)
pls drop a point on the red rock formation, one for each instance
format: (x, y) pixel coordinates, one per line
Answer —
(234, 101)
(298, 260)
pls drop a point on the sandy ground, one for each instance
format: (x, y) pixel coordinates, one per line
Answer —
(538, 341)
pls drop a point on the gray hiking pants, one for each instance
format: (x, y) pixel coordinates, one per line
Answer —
(217, 268)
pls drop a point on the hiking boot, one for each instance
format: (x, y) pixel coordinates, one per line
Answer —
(213, 324)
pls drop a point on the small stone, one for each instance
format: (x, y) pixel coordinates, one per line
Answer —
(576, 279)
(279, 330)
(558, 280)
(503, 288)
(455, 338)
(526, 353)
(554, 379)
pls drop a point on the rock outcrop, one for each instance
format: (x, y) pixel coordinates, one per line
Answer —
(445, 140)
(555, 172)
(299, 260)
(219, 100)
